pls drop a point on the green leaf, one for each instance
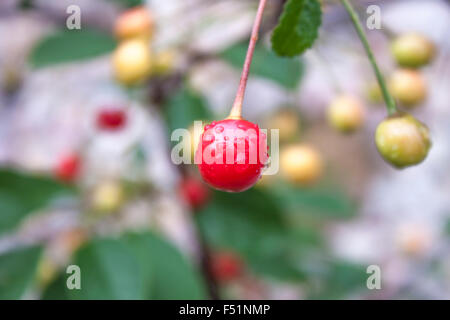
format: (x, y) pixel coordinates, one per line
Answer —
(134, 266)
(236, 220)
(184, 107)
(340, 279)
(21, 194)
(137, 245)
(318, 202)
(282, 267)
(130, 3)
(298, 27)
(251, 224)
(57, 289)
(17, 270)
(173, 277)
(109, 271)
(284, 71)
(71, 45)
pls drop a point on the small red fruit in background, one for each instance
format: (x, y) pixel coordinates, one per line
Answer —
(68, 167)
(194, 192)
(232, 154)
(111, 119)
(226, 266)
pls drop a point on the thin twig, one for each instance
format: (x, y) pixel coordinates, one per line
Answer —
(236, 110)
(390, 103)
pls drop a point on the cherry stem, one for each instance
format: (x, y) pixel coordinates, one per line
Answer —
(236, 110)
(390, 103)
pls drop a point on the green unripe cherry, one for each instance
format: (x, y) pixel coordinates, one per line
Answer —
(412, 50)
(408, 87)
(345, 113)
(402, 140)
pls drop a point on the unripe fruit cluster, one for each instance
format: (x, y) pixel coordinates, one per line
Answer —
(411, 51)
(133, 60)
(300, 164)
(401, 139)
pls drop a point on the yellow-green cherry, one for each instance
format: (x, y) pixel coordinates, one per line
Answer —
(346, 113)
(412, 50)
(402, 140)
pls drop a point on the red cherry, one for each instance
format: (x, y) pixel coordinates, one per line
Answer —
(194, 192)
(68, 167)
(111, 119)
(232, 154)
(226, 266)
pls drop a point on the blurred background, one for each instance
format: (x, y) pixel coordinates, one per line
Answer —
(86, 175)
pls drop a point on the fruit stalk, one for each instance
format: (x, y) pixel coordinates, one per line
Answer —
(390, 103)
(236, 110)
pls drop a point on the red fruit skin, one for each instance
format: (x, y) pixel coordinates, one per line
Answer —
(245, 167)
(194, 192)
(68, 168)
(226, 266)
(111, 119)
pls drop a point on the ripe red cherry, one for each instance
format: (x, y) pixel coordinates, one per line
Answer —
(111, 119)
(194, 192)
(68, 167)
(232, 154)
(226, 266)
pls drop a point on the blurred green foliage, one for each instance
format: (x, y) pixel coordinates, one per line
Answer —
(129, 3)
(275, 244)
(447, 228)
(17, 271)
(71, 45)
(133, 266)
(337, 279)
(173, 276)
(109, 271)
(298, 27)
(26, 4)
(286, 72)
(319, 202)
(184, 107)
(21, 194)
